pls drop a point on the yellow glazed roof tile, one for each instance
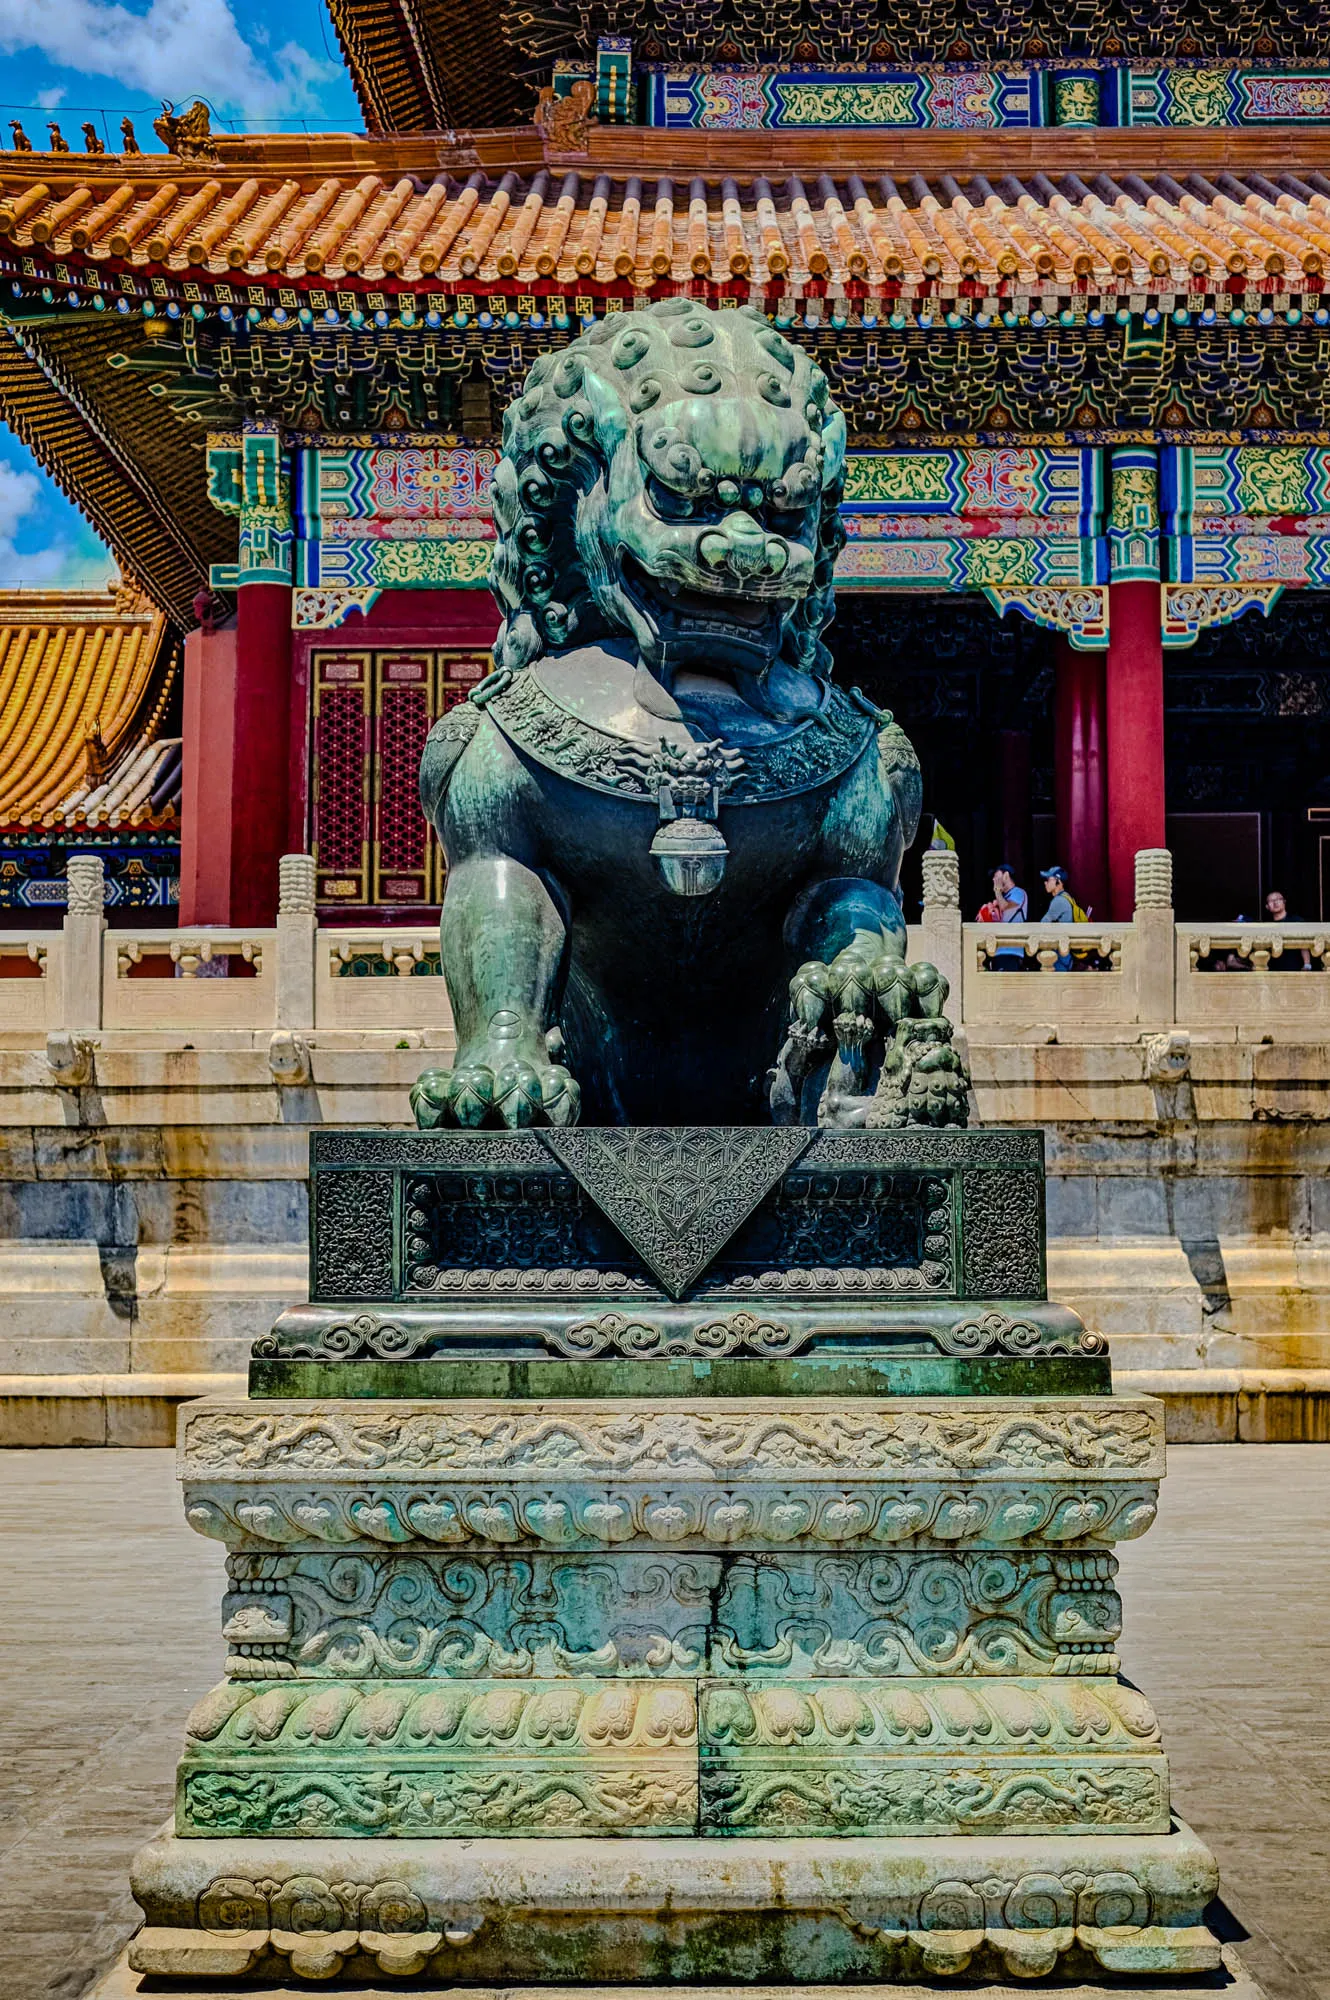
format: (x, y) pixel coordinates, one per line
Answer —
(83, 676)
(590, 225)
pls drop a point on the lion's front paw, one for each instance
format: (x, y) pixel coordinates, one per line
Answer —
(875, 1015)
(513, 1093)
(507, 1079)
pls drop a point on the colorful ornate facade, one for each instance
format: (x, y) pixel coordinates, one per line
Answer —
(1065, 268)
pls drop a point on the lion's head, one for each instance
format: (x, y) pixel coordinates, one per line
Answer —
(675, 475)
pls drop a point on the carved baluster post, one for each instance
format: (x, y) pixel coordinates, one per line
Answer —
(941, 925)
(81, 967)
(1153, 950)
(297, 925)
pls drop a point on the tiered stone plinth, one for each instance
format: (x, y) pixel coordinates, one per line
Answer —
(721, 1660)
(846, 1673)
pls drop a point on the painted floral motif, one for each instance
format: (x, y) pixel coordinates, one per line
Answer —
(431, 480)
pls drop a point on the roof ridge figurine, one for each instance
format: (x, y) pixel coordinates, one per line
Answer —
(188, 134)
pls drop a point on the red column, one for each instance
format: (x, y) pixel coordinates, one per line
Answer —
(1078, 773)
(205, 777)
(235, 778)
(259, 781)
(1014, 801)
(1134, 714)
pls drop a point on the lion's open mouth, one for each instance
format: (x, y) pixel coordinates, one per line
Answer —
(705, 618)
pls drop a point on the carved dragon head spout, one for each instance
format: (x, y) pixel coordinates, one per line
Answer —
(674, 475)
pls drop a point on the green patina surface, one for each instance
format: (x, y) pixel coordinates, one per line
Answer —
(410, 1618)
(810, 1375)
(572, 1757)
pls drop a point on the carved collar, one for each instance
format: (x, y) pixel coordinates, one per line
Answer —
(812, 753)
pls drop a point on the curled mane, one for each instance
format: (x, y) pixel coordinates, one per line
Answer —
(578, 408)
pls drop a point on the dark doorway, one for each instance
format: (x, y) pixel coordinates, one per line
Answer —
(974, 694)
(1247, 736)
(1247, 744)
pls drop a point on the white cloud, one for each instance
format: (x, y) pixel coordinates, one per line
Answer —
(60, 562)
(49, 100)
(174, 49)
(19, 494)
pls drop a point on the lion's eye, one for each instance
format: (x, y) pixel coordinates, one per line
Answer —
(665, 502)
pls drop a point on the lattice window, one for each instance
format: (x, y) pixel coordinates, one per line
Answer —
(340, 787)
(372, 713)
(401, 845)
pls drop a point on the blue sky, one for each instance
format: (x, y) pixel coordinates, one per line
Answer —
(261, 67)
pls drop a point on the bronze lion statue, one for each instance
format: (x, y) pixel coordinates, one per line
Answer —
(673, 844)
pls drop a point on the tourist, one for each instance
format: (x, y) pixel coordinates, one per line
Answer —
(1062, 907)
(1286, 959)
(1009, 905)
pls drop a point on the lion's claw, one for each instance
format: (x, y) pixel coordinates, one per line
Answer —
(869, 1002)
(511, 1093)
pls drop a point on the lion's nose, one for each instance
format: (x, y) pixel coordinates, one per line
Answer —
(741, 545)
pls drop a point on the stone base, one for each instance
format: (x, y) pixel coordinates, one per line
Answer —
(1231, 1982)
(681, 1911)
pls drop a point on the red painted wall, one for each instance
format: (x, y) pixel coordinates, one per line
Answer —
(235, 762)
(260, 744)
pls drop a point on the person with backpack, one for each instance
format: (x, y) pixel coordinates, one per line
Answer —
(1009, 905)
(1062, 908)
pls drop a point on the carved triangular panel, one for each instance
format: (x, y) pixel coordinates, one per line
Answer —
(678, 1193)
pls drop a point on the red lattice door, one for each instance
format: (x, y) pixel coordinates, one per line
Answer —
(340, 776)
(405, 706)
(372, 713)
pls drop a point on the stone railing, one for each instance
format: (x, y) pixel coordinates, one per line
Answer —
(1110, 996)
(163, 980)
(297, 977)
(215, 981)
(359, 977)
(1222, 976)
(1124, 978)
(29, 980)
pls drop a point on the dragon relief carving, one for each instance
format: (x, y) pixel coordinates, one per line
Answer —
(658, 806)
(1044, 1437)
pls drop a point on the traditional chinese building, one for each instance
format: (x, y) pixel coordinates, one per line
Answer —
(90, 750)
(1065, 266)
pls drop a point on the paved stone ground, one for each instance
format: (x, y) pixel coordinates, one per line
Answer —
(1227, 1628)
(108, 1633)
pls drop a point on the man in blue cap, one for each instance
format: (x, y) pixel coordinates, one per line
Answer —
(1061, 907)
